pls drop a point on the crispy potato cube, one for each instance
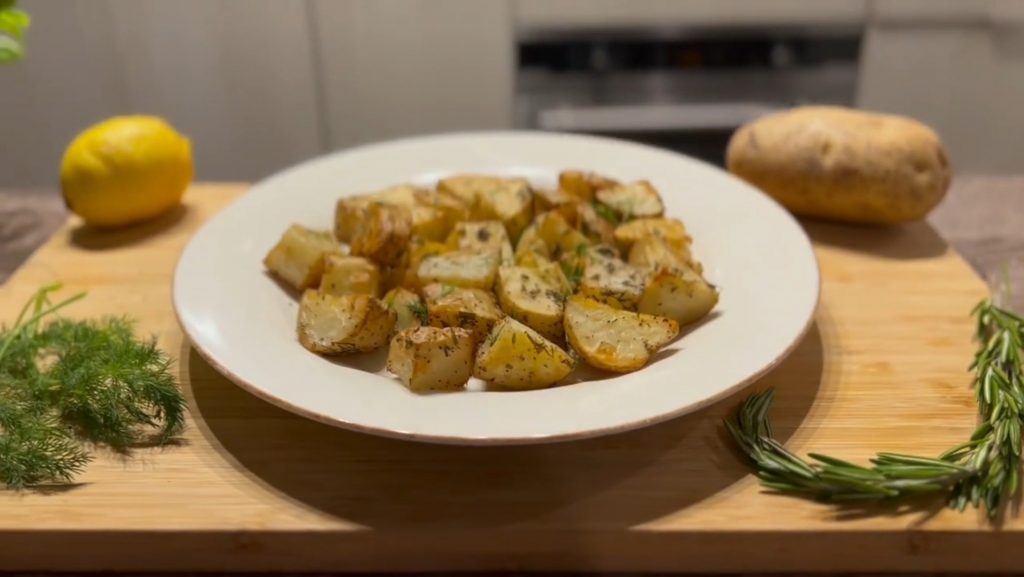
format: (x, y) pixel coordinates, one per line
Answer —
(551, 227)
(551, 272)
(652, 252)
(671, 230)
(460, 268)
(530, 242)
(635, 200)
(432, 359)
(408, 308)
(383, 233)
(525, 296)
(447, 208)
(471, 309)
(583, 185)
(435, 290)
(514, 356)
(345, 275)
(482, 236)
(609, 278)
(556, 199)
(596, 222)
(333, 324)
(418, 250)
(351, 210)
(298, 258)
(470, 187)
(680, 294)
(511, 203)
(615, 340)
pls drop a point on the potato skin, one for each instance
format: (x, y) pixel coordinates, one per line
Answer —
(842, 164)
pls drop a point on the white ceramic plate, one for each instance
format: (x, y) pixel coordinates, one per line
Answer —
(243, 323)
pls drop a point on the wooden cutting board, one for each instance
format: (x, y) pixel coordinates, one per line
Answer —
(253, 488)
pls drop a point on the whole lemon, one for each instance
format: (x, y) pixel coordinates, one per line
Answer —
(125, 170)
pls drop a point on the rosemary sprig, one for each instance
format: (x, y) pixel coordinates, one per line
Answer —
(66, 382)
(982, 472)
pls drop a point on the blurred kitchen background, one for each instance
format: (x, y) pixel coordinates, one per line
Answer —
(262, 84)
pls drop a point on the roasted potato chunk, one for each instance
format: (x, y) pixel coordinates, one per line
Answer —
(671, 230)
(482, 236)
(583, 185)
(679, 294)
(612, 339)
(511, 203)
(333, 324)
(530, 242)
(419, 250)
(525, 296)
(408, 308)
(298, 258)
(470, 187)
(514, 356)
(551, 227)
(652, 252)
(345, 275)
(432, 359)
(450, 207)
(351, 210)
(383, 233)
(610, 278)
(634, 200)
(548, 270)
(547, 199)
(596, 222)
(460, 268)
(472, 309)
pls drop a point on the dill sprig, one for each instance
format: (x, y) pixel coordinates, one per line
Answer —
(64, 382)
(983, 472)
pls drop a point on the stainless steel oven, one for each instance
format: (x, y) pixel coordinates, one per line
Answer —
(682, 89)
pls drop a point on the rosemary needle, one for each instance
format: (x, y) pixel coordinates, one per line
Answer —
(983, 472)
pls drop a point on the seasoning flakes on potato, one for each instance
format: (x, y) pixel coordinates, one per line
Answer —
(514, 356)
(489, 277)
(432, 359)
(615, 340)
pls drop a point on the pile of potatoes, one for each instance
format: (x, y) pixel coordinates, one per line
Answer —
(494, 278)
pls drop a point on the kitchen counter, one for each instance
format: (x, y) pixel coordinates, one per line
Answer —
(980, 218)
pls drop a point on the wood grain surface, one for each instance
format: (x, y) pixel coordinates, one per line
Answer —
(254, 488)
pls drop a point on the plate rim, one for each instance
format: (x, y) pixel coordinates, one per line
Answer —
(503, 440)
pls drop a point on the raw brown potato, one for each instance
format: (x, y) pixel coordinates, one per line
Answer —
(332, 324)
(546, 199)
(583, 185)
(611, 278)
(652, 252)
(525, 296)
(472, 309)
(615, 340)
(514, 356)
(429, 359)
(460, 268)
(679, 294)
(298, 258)
(843, 164)
(549, 271)
(596, 227)
(634, 200)
(511, 203)
(671, 230)
(345, 275)
(482, 236)
(382, 233)
(408, 308)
